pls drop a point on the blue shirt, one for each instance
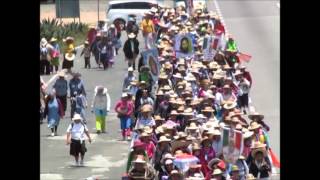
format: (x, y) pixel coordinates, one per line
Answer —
(76, 85)
(61, 87)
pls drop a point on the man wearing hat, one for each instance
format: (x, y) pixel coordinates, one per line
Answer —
(45, 57)
(141, 170)
(55, 54)
(87, 54)
(131, 50)
(61, 87)
(148, 30)
(75, 137)
(128, 79)
(258, 166)
(163, 147)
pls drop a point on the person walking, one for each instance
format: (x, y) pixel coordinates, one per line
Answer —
(80, 105)
(69, 54)
(131, 50)
(76, 86)
(61, 87)
(55, 54)
(124, 108)
(45, 57)
(54, 112)
(87, 54)
(95, 50)
(128, 79)
(148, 30)
(75, 137)
(101, 106)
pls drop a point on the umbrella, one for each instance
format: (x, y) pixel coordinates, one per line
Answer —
(184, 160)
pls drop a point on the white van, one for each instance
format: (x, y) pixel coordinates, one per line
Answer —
(119, 10)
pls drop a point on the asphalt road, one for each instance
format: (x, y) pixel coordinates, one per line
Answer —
(255, 26)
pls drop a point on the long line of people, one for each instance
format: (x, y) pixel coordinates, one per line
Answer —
(175, 123)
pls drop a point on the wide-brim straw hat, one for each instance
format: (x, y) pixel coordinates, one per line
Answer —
(180, 135)
(53, 39)
(262, 149)
(195, 146)
(69, 38)
(163, 139)
(217, 172)
(212, 162)
(193, 126)
(208, 109)
(43, 42)
(70, 56)
(256, 115)
(158, 118)
(62, 74)
(230, 105)
(254, 126)
(145, 134)
(146, 108)
(179, 143)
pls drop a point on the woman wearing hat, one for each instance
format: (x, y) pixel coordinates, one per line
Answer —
(55, 54)
(206, 153)
(124, 108)
(131, 50)
(106, 52)
(145, 119)
(257, 117)
(163, 147)
(101, 106)
(54, 111)
(244, 89)
(146, 99)
(149, 146)
(141, 169)
(259, 167)
(75, 137)
(167, 167)
(45, 56)
(69, 54)
(148, 30)
(194, 171)
(61, 88)
(259, 134)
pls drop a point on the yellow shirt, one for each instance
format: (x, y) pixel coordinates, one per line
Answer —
(147, 26)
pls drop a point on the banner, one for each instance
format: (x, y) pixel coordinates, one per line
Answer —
(232, 141)
(184, 44)
(150, 59)
(208, 51)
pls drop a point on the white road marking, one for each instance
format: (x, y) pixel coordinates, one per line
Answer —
(51, 177)
(100, 163)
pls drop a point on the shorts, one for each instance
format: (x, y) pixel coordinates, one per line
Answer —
(76, 147)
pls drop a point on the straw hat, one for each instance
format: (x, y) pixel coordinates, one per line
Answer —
(195, 146)
(163, 76)
(206, 138)
(216, 132)
(179, 144)
(254, 125)
(177, 75)
(217, 172)
(123, 95)
(163, 139)
(256, 115)
(61, 74)
(144, 134)
(53, 39)
(142, 83)
(250, 177)
(239, 127)
(180, 135)
(159, 129)
(188, 112)
(77, 117)
(230, 105)
(146, 109)
(68, 39)
(70, 56)
(212, 162)
(208, 109)
(261, 149)
(193, 126)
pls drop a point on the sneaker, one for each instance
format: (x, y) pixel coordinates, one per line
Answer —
(52, 134)
(81, 163)
(56, 134)
(129, 138)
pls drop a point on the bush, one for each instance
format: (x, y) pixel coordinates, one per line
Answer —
(55, 28)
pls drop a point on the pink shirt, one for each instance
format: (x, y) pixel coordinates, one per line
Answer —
(125, 105)
(150, 148)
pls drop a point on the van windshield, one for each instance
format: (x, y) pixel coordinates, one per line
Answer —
(131, 5)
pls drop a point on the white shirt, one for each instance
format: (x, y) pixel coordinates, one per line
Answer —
(218, 98)
(244, 86)
(77, 131)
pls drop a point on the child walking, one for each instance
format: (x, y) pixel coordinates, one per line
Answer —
(87, 54)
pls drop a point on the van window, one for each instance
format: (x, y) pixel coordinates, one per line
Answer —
(131, 5)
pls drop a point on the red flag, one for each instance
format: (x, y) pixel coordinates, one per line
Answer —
(275, 160)
(244, 57)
